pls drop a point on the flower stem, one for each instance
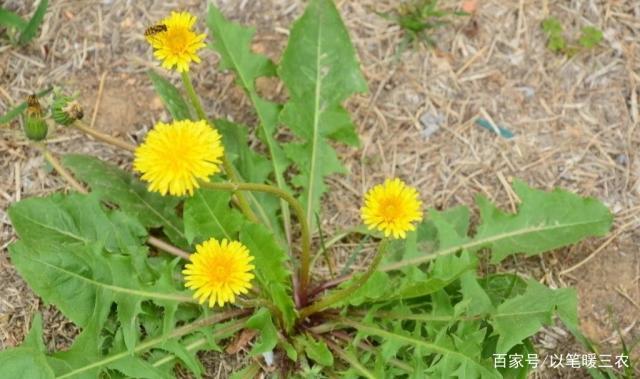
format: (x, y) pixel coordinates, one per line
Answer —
(340, 295)
(297, 208)
(55, 163)
(80, 125)
(228, 167)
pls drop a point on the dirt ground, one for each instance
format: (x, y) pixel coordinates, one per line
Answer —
(575, 122)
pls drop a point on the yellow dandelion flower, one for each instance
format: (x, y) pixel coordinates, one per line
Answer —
(174, 41)
(219, 271)
(174, 156)
(392, 208)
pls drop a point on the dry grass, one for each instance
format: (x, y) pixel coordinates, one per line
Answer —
(575, 119)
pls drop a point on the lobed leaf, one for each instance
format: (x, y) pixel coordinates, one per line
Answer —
(233, 42)
(317, 351)
(457, 361)
(72, 278)
(74, 220)
(28, 360)
(262, 322)
(253, 168)
(271, 271)
(171, 97)
(116, 186)
(69, 254)
(320, 70)
(544, 221)
(522, 316)
(207, 214)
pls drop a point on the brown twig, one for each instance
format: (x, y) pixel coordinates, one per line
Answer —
(164, 246)
(55, 163)
(98, 98)
(80, 125)
(600, 248)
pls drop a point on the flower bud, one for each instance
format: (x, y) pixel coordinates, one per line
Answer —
(35, 127)
(66, 109)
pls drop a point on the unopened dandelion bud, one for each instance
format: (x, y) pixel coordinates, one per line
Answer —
(66, 109)
(35, 127)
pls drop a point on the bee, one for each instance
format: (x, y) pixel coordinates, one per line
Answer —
(153, 30)
(33, 106)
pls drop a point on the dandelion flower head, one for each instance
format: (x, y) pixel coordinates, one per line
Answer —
(219, 271)
(392, 208)
(175, 156)
(175, 42)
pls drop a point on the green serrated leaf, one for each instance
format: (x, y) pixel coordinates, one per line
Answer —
(317, 351)
(119, 187)
(502, 286)
(320, 70)
(133, 366)
(87, 347)
(74, 219)
(190, 360)
(171, 97)
(253, 168)
(10, 19)
(61, 255)
(357, 368)
(72, 278)
(207, 214)
(262, 322)
(544, 221)
(233, 42)
(28, 360)
(86, 358)
(32, 26)
(270, 262)
(478, 301)
(465, 363)
(522, 316)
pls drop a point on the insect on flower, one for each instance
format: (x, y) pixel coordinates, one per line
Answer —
(175, 42)
(75, 110)
(152, 31)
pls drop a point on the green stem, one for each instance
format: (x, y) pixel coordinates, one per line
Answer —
(305, 257)
(343, 294)
(228, 167)
(179, 332)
